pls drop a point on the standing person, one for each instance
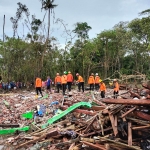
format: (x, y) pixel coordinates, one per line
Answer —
(58, 82)
(48, 84)
(116, 88)
(64, 82)
(91, 81)
(38, 86)
(80, 82)
(69, 80)
(102, 88)
(97, 78)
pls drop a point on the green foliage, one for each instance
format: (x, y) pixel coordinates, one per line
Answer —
(124, 48)
(82, 29)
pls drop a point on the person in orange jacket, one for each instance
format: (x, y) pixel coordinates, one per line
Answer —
(58, 82)
(38, 86)
(116, 88)
(97, 78)
(102, 88)
(69, 80)
(80, 82)
(64, 82)
(91, 81)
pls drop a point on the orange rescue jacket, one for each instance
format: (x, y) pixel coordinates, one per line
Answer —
(91, 80)
(116, 87)
(58, 79)
(64, 79)
(69, 77)
(80, 79)
(97, 78)
(102, 87)
(38, 82)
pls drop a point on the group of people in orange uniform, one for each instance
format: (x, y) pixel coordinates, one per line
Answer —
(99, 84)
(65, 81)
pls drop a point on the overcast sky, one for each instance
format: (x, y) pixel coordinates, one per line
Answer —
(99, 14)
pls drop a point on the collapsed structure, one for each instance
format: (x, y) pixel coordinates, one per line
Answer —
(77, 121)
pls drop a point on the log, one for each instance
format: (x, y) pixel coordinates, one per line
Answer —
(142, 115)
(126, 101)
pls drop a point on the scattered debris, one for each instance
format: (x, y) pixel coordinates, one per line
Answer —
(77, 121)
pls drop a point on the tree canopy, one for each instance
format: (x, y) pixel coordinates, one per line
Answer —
(124, 48)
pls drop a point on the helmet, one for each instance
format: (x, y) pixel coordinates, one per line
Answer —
(92, 74)
(65, 72)
(115, 80)
(69, 72)
(100, 80)
(57, 74)
(96, 74)
(77, 74)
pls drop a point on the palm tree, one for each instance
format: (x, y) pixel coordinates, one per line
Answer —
(48, 5)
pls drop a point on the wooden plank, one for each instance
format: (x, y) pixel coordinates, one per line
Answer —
(129, 134)
(127, 101)
(129, 111)
(113, 124)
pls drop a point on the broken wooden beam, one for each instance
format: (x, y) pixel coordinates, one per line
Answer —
(9, 125)
(126, 101)
(140, 127)
(37, 139)
(129, 111)
(129, 134)
(142, 115)
(81, 111)
(113, 124)
(94, 146)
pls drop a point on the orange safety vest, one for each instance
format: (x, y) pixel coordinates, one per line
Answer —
(58, 79)
(102, 87)
(38, 82)
(91, 80)
(116, 87)
(80, 79)
(64, 79)
(69, 77)
(97, 78)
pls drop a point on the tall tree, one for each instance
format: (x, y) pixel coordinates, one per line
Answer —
(48, 5)
(82, 29)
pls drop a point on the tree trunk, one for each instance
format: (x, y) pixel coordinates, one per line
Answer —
(48, 23)
(105, 59)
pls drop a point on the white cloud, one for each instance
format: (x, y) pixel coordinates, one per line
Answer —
(99, 14)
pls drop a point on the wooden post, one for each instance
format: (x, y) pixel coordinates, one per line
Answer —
(129, 134)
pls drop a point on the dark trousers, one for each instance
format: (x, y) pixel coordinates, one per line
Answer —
(58, 87)
(96, 86)
(116, 94)
(81, 84)
(69, 85)
(92, 87)
(38, 89)
(102, 94)
(64, 88)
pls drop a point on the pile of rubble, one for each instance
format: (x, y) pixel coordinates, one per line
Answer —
(76, 121)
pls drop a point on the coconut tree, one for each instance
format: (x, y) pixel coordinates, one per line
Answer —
(48, 5)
